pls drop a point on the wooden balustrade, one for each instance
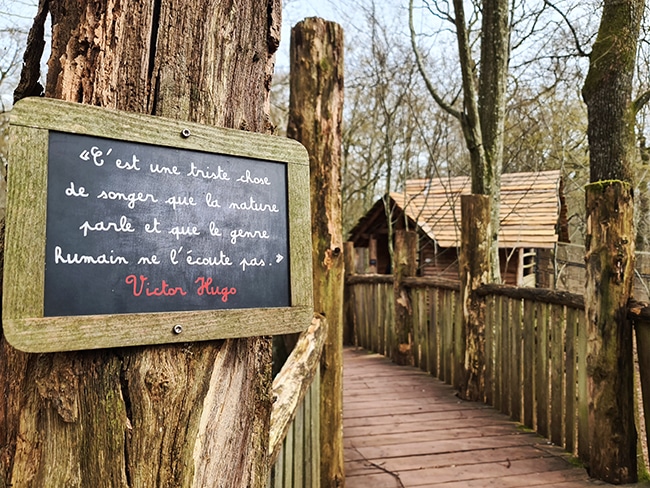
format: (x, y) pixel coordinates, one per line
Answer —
(535, 345)
(294, 440)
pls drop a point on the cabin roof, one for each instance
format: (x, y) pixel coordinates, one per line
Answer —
(530, 208)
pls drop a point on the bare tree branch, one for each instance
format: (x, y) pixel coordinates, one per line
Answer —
(640, 102)
(581, 51)
(29, 84)
(427, 81)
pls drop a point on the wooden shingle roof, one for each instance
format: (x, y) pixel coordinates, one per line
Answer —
(530, 208)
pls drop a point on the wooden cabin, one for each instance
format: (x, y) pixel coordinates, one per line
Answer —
(533, 219)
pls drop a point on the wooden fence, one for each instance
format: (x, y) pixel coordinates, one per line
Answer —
(535, 343)
(294, 441)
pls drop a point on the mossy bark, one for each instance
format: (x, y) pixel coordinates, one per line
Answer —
(183, 415)
(610, 274)
(315, 115)
(610, 239)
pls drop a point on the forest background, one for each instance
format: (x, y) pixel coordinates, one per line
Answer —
(393, 128)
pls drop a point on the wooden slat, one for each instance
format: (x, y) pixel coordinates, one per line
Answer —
(288, 458)
(541, 369)
(506, 358)
(498, 352)
(315, 401)
(516, 373)
(449, 337)
(489, 350)
(529, 364)
(583, 397)
(557, 365)
(298, 447)
(434, 334)
(571, 384)
(459, 346)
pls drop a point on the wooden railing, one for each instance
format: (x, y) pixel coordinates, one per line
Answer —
(294, 441)
(535, 346)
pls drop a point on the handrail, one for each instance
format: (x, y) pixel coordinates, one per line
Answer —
(545, 295)
(293, 381)
(431, 281)
(354, 279)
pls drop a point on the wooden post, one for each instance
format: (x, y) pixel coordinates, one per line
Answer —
(405, 265)
(610, 274)
(349, 329)
(372, 255)
(315, 113)
(474, 272)
(173, 415)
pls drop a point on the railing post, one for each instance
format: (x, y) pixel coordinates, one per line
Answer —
(405, 265)
(315, 114)
(474, 272)
(372, 255)
(610, 369)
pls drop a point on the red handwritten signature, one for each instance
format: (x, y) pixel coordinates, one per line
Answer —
(141, 286)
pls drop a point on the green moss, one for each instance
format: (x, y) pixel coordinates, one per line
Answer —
(642, 472)
(325, 65)
(524, 429)
(575, 461)
(601, 186)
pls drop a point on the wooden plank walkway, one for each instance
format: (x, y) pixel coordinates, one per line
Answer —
(404, 428)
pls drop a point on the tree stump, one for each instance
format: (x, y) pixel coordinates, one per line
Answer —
(610, 274)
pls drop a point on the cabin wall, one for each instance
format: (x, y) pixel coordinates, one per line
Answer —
(443, 263)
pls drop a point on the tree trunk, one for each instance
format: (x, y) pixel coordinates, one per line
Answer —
(181, 416)
(315, 114)
(405, 261)
(610, 242)
(474, 272)
(610, 363)
(493, 84)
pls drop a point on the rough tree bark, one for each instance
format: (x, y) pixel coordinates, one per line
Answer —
(182, 416)
(610, 242)
(315, 114)
(474, 272)
(405, 265)
(610, 363)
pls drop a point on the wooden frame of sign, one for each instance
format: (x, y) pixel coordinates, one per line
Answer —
(124, 229)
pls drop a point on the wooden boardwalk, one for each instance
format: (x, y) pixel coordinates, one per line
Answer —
(404, 428)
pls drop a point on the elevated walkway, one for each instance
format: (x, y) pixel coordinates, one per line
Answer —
(404, 428)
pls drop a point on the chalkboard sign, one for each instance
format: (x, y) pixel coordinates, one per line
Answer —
(124, 229)
(142, 228)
